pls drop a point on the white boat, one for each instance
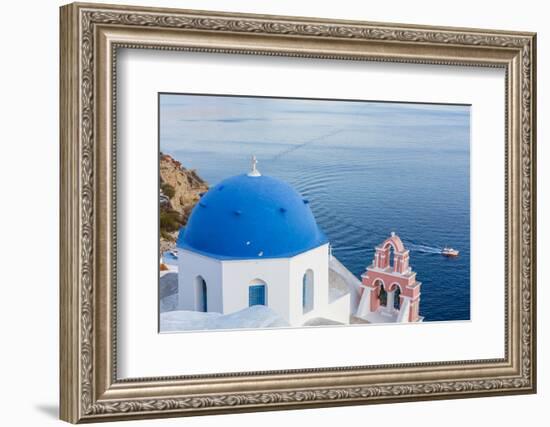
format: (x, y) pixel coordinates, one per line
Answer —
(450, 252)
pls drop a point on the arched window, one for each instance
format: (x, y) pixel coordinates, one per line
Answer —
(397, 298)
(307, 291)
(201, 294)
(383, 296)
(257, 293)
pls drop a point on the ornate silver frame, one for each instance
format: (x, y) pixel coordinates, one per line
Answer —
(90, 36)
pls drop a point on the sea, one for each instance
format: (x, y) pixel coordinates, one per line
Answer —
(363, 188)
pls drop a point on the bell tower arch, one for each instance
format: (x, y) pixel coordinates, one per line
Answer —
(389, 289)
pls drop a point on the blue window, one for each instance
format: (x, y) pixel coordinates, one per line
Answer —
(256, 295)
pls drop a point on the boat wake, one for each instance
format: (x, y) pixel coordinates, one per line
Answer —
(303, 144)
(422, 248)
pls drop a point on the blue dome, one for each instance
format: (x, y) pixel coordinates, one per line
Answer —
(247, 217)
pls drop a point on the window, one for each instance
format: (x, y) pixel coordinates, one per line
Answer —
(307, 291)
(256, 294)
(201, 294)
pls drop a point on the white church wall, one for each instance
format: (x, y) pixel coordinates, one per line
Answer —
(191, 265)
(238, 275)
(353, 282)
(317, 261)
(339, 310)
(228, 282)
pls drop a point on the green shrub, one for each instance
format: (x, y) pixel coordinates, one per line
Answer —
(168, 190)
(170, 220)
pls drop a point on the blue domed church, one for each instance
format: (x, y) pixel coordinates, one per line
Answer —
(253, 240)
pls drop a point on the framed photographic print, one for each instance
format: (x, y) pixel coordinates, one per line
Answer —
(266, 212)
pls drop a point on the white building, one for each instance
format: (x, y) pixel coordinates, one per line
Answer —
(253, 240)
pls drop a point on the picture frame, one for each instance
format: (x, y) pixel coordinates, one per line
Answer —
(91, 37)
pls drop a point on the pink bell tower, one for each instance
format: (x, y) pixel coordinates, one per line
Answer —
(390, 292)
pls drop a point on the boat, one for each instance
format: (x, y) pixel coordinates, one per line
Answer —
(174, 253)
(449, 252)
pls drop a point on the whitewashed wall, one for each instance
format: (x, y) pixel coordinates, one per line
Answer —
(316, 260)
(283, 278)
(237, 276)
(191, 265)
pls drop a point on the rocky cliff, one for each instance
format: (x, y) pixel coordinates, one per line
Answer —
(180, 189)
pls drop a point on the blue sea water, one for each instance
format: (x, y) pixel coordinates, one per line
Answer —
(363, 182)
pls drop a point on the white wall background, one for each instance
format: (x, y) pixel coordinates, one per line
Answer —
(29, 170)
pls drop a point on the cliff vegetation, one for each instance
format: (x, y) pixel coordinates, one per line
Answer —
(180, 189)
